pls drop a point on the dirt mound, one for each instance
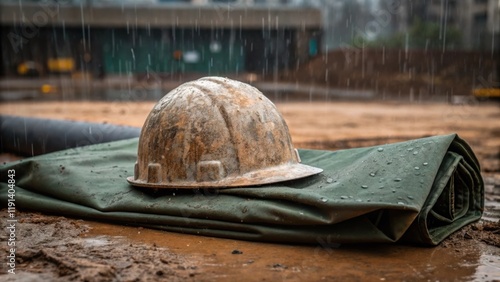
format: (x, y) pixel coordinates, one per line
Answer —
(393, 72)
(485, 231)
(58, 250)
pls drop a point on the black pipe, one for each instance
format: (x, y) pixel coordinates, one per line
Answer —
(33, 136)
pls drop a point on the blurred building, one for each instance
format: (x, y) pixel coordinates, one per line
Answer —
(244, 2)
(343, 20)
(478, 20)
(139, 37)
(493, 16)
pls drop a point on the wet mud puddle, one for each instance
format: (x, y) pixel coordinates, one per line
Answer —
(472, 253)
(458, 259)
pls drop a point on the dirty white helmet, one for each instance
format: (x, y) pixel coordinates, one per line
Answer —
(215, 132)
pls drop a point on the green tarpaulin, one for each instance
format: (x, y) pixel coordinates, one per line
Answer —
(416, 191)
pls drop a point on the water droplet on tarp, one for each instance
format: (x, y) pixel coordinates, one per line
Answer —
(417, 168)
(324, 200)
(343, 197)
(393, 190)
(410, 149)
(397, 179)
(410, 197)
(364, 186)
(380, 149)
(416, 152)
(329, 180)
(425, 163)
(401, 203)
(372, 174)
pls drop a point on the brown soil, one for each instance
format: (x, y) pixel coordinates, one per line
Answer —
(485, 231)
(55, 248)
(394, 72)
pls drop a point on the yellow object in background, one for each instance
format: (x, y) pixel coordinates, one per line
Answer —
(28, 68)
(487, 92)
(47, 88)
(22, 69)
(61, 65)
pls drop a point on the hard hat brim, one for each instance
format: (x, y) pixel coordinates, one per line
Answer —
(270, 175)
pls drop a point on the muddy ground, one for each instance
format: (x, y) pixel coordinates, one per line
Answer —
(56, 248)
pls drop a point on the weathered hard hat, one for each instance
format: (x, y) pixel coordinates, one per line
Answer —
(215, 132)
